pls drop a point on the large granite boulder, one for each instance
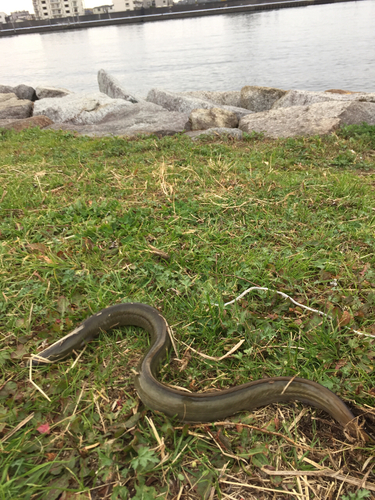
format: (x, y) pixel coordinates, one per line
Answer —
(131, 120)
(203, 119)
(12, 107)
(81, 109)
(49, 92)
(223, 98)
(307, 97)
(320, 118)
(233, 133)
(110, 86)
(173, 101)
(259, 99)
(34, 121)
(22, 91)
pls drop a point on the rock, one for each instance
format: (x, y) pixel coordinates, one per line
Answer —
(12, 107)
(49, 92)
(173, 101)
(110, 86)
(21, 91)
(81, 109)
(133, 119)
(229, 98)
(6, 89)
(34, 121)
(320, 118)
(239, 112)
(5, 121)
(25, 92)
(338, 91)
(233, 133)
(307, 97)
(259, 99)
(176, 102)
(203, 119)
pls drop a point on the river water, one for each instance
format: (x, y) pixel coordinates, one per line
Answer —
(317, 47)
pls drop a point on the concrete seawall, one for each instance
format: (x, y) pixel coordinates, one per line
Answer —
(154, 14)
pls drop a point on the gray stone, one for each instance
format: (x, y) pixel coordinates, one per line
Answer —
(110, 86)
(21, 91)
(259, 99)
(25, 92)
(81, 109)
(203, 119)
(6, 89)
(12, 107)
(176, 102)
(140, 118)
(173, 101)
(239, 112)
(320, 118)
(223, 98)
(49, 92)
(307, 97)
(5, 121)
(25, 123)
(233, 133)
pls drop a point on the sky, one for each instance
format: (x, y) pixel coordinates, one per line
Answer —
(9, 6)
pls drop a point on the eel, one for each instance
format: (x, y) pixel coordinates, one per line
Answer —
(195, 407)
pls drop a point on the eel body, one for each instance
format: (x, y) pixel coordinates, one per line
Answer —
(191, 407)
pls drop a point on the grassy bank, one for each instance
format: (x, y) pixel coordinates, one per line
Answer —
(180, 225)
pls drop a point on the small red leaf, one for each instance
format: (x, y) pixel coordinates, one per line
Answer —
(44, 429)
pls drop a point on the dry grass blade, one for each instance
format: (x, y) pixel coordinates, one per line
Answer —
(214, 358)
(319, 473)
(100, 414)
(157, 437)
(77, 359)
(261, 488)
(13, 431)
(164, 184)
(159, 253)
(33, 383)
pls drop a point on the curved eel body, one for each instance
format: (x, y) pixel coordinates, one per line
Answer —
(190, 407)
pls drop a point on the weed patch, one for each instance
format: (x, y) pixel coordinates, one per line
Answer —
(180, 225)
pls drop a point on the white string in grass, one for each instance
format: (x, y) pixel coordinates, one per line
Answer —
(294, 302)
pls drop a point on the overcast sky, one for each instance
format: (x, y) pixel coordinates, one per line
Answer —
(9, 6)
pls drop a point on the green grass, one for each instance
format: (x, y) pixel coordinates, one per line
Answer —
(80, 219)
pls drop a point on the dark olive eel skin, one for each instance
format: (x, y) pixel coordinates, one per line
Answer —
(191, 407)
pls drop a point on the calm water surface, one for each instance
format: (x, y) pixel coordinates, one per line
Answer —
(315, 48)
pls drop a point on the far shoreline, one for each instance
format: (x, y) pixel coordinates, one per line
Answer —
(154, 14)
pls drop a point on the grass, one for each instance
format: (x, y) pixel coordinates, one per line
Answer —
(180, 225)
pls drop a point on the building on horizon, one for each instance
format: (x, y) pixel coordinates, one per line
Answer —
(48, 9)
(123, 5)
(20, 15)
(164, 3)
(102, 9)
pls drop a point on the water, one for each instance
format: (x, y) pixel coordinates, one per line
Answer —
(317, 47)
